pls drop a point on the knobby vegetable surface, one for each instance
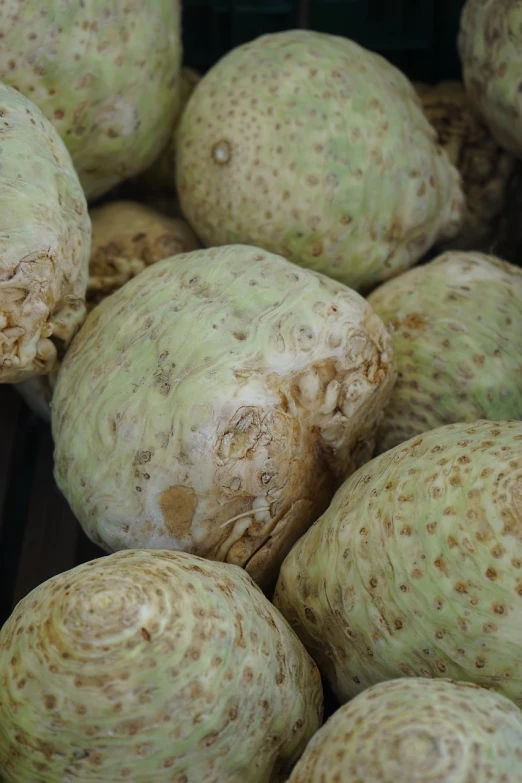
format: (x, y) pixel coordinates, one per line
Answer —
(126, 238)
(45, 236)
(160, 177)
(490, 46)
(215, 402)
(487, 170)
(152, 667)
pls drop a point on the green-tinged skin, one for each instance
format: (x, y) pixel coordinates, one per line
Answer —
(490, 47)
(126, 238)
(417, 731)
(106, 74)
(456, 325)
(215, 402)
(310, 146)
(45, 235)
(416, 567)
(153, 667)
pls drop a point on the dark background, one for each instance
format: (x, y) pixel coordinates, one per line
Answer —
(419, 36)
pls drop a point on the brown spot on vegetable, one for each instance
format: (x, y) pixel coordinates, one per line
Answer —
(461, 588)
(415, 322)
(178, 505)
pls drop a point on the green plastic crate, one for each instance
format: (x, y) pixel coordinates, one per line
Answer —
(419, 36)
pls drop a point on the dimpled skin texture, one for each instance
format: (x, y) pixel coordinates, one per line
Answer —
(416, 567)
(155, 667)
(310, 146)
(106, 74)
(126, 238)
(45, 235)
(214, 403)
(490, 46)
(486, 168)
(456, 324)
(417, 731)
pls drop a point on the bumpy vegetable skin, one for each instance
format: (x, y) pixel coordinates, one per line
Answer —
(456, 324)
(487, 170)
(416, 567)
(214, 403)
(417, 731)
(106, 74)
(310, 146)
(45, 236)
(152, 666)
(490, 47)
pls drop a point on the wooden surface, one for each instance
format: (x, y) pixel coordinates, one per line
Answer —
(39, 536)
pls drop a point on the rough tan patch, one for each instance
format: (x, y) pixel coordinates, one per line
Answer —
(414, 321)
(178, 506)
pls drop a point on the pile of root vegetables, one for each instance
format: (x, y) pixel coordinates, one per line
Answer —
(273, 315)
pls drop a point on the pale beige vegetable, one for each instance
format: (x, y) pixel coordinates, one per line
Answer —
(485, 167)
(456, 325)
(417, 731)
(214, 403)
(310, 146)
(126, 238)
(106, 73)
(490, 47)
(416, 567)
(45, 235)
(152, 666)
